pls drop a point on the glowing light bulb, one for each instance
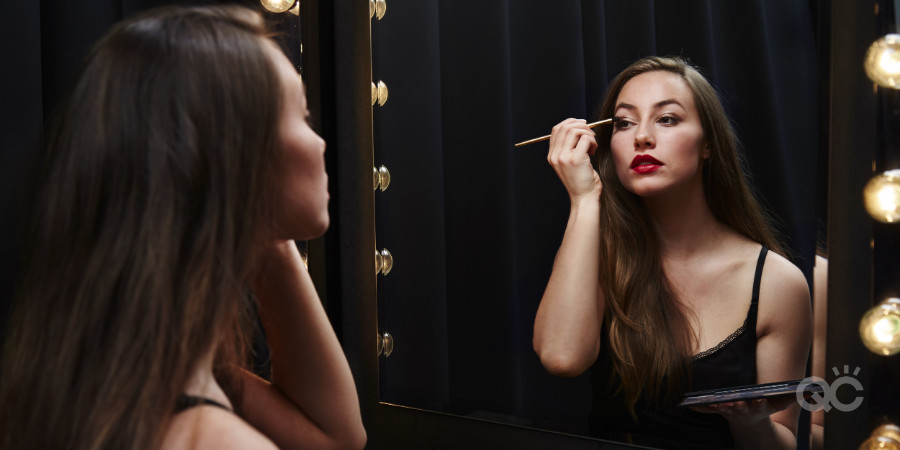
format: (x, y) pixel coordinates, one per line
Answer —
(882, 196)
(880, 443)
(886, 436)
(888, 430)
(883, 61)
(277, 6)
(880, 328)
(382, 93)
(884, 328)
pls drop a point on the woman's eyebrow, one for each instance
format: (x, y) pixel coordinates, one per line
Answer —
(667, 102)
(657, 105)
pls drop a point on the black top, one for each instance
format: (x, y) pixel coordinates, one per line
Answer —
(730, 363)
(184, 401)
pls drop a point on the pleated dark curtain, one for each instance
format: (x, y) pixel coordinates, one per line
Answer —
(21, 115)
(474, 224)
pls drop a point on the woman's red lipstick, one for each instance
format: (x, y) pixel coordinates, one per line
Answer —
(645, 164)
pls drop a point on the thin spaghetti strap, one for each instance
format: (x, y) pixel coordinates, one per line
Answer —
(184, 401)
(758, 276)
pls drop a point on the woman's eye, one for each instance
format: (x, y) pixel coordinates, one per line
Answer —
(668, 120)
(622, 123)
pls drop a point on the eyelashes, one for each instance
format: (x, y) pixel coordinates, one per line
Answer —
(621, 123)
(667, 120)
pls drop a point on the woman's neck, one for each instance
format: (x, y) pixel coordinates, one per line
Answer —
(684, 224)
(202, 382)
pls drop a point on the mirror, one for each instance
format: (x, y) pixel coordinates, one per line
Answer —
(473, 224)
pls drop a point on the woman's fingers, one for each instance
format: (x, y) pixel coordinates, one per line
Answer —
(572, 143)
(586, 144)
(561, 134)
(571, 140)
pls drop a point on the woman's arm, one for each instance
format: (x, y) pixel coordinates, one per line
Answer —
(820, 317)
(784, 332)
(312, 401)
(568, 322)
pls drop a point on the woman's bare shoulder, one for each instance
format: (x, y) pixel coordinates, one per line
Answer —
(779, 273)
(784, 296)
(211, 427)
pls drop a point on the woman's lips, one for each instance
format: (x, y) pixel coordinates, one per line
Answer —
(645, 164)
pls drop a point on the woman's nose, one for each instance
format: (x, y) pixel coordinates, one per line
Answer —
(644, 138)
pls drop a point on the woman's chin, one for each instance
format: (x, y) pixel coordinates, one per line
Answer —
(308, 229)
(322, 227)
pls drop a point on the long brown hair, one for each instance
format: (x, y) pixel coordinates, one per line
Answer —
(155, 189)
(650, 337)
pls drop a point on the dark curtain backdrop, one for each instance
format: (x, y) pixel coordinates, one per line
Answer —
(474, 224)
(21, 115)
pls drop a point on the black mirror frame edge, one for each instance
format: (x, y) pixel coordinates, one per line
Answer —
(853, 140)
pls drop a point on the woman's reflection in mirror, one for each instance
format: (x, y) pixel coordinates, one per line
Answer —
(670, 277)
(174, 182)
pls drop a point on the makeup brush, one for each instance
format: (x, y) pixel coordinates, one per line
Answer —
(544, 138)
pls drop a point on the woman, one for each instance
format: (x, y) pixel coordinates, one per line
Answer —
(174, 181)
(683, 294)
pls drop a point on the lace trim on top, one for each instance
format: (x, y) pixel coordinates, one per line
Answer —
(724, 342)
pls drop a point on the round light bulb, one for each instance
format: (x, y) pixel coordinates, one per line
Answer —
(277, 6)
(882, 196)
(382, 93)
(888, 430)
(879, 443)
(880, 328)
(886, 436)
(883, 61)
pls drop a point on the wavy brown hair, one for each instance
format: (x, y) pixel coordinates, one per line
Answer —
(650, 336)
(154, 191)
